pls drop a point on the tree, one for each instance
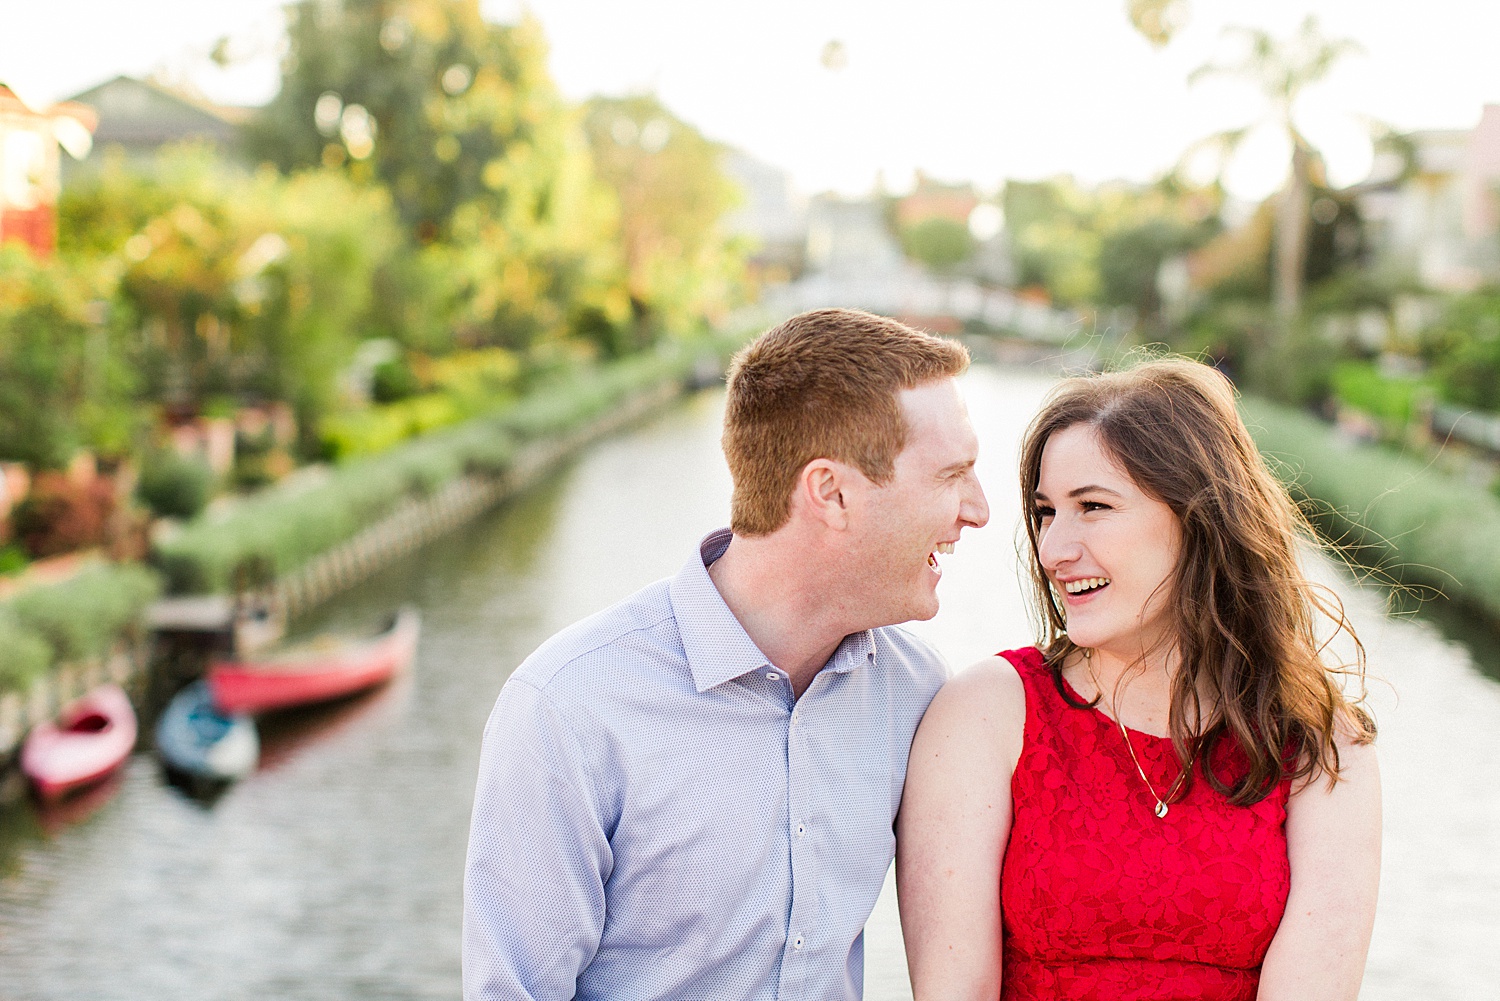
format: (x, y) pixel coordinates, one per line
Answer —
(233, 285)
(1157, 20)
(1053, 239)
(673, 193)
(63, 382)
(1282, 69)
(484, 160)
(941, 244)
(1104, 245)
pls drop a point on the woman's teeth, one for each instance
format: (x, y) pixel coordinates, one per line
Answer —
(945, 548)
(1086, 584)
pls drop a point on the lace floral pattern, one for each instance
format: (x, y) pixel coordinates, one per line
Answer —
(1102, 900)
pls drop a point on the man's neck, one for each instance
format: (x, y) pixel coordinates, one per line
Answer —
(783, 603)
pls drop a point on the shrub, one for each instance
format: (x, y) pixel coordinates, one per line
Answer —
(1393, 400)
(84, 615)
(174, 485)
(24, 655)
(393, 380)
(1439, 530)
(12, 558)
(60, 515)
(1464, 347)
(284, 527)
(368, 432)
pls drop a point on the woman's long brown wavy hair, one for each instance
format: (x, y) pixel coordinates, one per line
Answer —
(1246, 617)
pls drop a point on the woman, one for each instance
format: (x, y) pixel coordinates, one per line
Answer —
(1172, 794)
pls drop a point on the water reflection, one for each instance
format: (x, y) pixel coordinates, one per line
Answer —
(335, 871)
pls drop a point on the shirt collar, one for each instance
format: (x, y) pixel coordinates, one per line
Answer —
(718, 648)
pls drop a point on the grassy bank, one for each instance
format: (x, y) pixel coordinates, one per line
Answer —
(75, 620)
(1430, 528)
(278, 530)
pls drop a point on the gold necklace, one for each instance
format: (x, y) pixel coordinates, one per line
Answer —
(1161, 804)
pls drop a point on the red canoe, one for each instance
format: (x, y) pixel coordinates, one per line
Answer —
(90, 738)
(316, 672)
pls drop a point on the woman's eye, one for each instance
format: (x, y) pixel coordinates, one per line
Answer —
(1044, 513)
(1094, 506)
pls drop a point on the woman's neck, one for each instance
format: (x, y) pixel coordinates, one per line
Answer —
(1135, 691)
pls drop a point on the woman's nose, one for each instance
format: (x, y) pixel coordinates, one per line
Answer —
(1057, 544)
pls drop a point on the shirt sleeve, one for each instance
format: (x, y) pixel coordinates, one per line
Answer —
(538, 856)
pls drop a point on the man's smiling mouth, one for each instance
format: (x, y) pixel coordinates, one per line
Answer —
(946, 548)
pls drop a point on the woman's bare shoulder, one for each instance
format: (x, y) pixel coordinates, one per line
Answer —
(983, 702)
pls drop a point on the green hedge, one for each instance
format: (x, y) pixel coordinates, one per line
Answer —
(282, 528)
(278, 530)
(79, 618)
(1438, 530)
(1391, 400)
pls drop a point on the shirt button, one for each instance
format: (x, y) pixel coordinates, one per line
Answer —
(771, 676)
(797, 942)
(801, 830)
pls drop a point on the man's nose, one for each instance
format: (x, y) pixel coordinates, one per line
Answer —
(976, 509)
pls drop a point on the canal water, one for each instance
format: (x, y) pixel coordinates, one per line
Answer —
(335, 870)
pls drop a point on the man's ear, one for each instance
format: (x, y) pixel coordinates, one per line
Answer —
(820, 492)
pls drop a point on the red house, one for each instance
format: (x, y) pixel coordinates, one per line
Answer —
(29, 165)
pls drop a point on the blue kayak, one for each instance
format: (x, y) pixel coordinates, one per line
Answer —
(199, 740)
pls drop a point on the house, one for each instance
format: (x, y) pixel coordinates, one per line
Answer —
(1436, 210)
(139, 117)
(849, 237)
(931, 199)
(771, 215)
(30, 168)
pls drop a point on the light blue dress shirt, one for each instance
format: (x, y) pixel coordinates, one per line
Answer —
(658, 817)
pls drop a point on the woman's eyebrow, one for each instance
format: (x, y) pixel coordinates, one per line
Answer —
(1093, 488)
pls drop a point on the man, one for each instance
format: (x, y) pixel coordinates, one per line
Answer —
(691, 794)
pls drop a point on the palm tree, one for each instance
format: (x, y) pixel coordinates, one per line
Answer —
(1282, 69)
(1157, 20)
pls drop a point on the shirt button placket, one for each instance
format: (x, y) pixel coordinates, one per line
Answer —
(804, 863)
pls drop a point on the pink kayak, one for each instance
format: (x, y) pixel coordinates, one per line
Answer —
(327, 668)
(90, 738)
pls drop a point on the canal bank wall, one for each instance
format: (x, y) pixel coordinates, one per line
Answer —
(1412, 523)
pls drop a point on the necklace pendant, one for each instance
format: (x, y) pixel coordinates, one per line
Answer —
(1161, 809)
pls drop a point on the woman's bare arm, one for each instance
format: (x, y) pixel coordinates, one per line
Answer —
(952, 829)
(1333, 843)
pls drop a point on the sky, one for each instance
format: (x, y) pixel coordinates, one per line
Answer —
(978, 90)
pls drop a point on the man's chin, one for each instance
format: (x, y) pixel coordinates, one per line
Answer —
(918, 612)
(924, 614)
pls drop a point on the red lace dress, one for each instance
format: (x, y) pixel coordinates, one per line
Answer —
(1104, 901)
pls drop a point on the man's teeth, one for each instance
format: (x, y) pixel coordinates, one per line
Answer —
(1086, 584)
(945, 547)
